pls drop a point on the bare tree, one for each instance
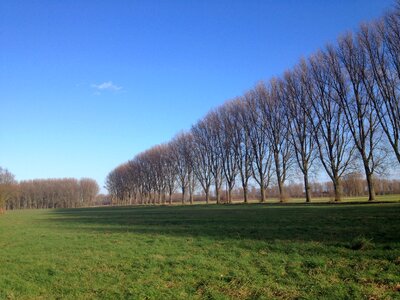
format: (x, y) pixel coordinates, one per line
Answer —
(6, 177)
(88, 191)
(212, 125)
(156, 160)
(381, 76)
(170, 169)
(255, 127)
(298, 108)
(272, 103)
(332, 136)
(147, 178)
(179, 151)
(118, 184)
(241, 142)
(135, 182)
(347, 67)
(202, 157)
(188, 156)
(226, 137)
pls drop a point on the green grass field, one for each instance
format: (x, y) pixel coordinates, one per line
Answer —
(204, 252)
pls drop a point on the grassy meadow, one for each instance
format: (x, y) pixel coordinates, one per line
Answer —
(349, 251)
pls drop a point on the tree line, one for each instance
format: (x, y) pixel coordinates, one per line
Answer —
(46, 193)
(337, 110)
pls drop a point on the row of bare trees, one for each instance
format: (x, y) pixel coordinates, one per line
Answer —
(337, 110)
(46, 193)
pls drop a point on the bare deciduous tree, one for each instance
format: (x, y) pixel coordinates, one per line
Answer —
(227, 143)
(299, 108)
(181, 155)
(255, 129)
(203, 156)
(381, 76)
(241, 142)
(347, 68)
(272, 103)
(88, 191)
(332, 136)
(170, 169)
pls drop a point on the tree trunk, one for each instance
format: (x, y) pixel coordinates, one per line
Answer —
(190, 196)
(370, 183)
(183, 195)
(262, 190)
(337, 186)
(279, 177)
(217, 194)
(282, 196)
(245, 194)
(307, 187)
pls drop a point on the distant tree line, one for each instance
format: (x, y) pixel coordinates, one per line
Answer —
(7, 182)
(338, 111)
(46, 193)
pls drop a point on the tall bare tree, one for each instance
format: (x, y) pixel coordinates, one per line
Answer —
(180, 151)
(381, 76)
(170, 169)
(202, 157)
(347, 67)
(147, 177)
(255, 127)
(214, 132)
(272, 101)
(299, 108)
(116, 183)
(188, 156)
(331, 132)
(226, 138)
(89, 189)
(241, 142)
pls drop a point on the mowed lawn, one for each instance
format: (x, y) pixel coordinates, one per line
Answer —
(202, 252)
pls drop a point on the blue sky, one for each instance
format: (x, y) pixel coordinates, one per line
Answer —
(86, 85)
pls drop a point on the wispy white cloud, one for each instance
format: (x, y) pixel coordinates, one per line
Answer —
(106, 86)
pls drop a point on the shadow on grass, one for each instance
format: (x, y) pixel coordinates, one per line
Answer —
(331, 224)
